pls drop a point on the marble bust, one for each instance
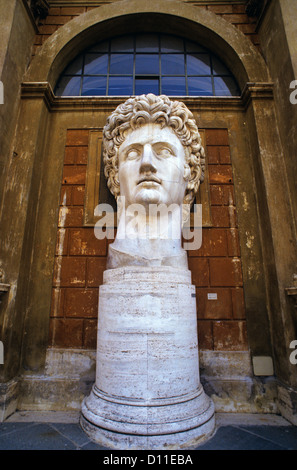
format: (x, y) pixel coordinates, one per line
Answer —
(153, 157)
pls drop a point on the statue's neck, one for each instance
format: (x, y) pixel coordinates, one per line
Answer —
(150, 232)
(148, 238)
(161, 222)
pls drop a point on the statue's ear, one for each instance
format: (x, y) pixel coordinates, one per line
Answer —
(187, 172)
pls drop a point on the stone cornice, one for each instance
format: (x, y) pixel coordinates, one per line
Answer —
(40, 8)
(257, 9)
(36, 10)
(256, 91)
(97, 3)
(43, 90)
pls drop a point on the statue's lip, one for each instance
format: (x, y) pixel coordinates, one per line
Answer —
(149, 179)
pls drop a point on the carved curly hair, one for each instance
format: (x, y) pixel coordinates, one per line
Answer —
(144, 109)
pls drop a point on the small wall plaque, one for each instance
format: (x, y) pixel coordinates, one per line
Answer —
(212, 296)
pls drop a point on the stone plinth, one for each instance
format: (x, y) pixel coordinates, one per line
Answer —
(147, 393)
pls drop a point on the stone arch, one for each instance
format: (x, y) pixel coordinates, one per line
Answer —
(239, 54)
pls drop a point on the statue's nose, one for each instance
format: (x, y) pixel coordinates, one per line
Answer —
(147, 160)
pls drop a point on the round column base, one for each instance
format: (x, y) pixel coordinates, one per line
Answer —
(118, 424)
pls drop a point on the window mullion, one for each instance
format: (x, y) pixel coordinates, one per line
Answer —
(212, 75)
(82, 75)
(134, 61)
(186, 68)
(160, 69)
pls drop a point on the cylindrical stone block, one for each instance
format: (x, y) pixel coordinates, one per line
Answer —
(147, 392)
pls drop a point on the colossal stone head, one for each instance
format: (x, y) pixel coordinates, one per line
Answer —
(160, 118)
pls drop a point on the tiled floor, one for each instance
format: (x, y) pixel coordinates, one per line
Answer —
(56, 431)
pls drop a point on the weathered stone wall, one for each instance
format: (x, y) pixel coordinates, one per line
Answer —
(278, 34)
(17, 33)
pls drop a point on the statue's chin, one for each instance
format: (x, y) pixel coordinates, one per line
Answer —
(148, 196)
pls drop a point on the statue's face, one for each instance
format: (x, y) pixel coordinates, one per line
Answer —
(151, 166)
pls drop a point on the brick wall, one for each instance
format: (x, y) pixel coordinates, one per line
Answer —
(81, 258)
(216, 266)
(58, 16)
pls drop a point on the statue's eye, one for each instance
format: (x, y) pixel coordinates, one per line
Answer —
(164, 152)
(132, 154)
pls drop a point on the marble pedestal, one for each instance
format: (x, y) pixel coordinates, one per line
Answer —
(147, 393)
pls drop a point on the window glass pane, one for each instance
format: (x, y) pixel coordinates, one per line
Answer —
(225, 86)
(120, 86)
(121, 64)
(171, 44)
(94, 86)
(200, 86)
(198, 64)
(146, 85)
(218, 67)
(96, 64)
(101, 47)
(173, 85)
(193, 47)
(68, 86)
(75, 68)
(122, 44)
(147, 64)
(147, 43)
(173, 64)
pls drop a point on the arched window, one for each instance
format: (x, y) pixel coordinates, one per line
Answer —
(147, 63)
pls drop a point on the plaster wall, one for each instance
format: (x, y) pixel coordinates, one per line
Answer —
(278, 33)
(17, 32)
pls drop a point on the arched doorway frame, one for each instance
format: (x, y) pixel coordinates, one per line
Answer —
(217, 34)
